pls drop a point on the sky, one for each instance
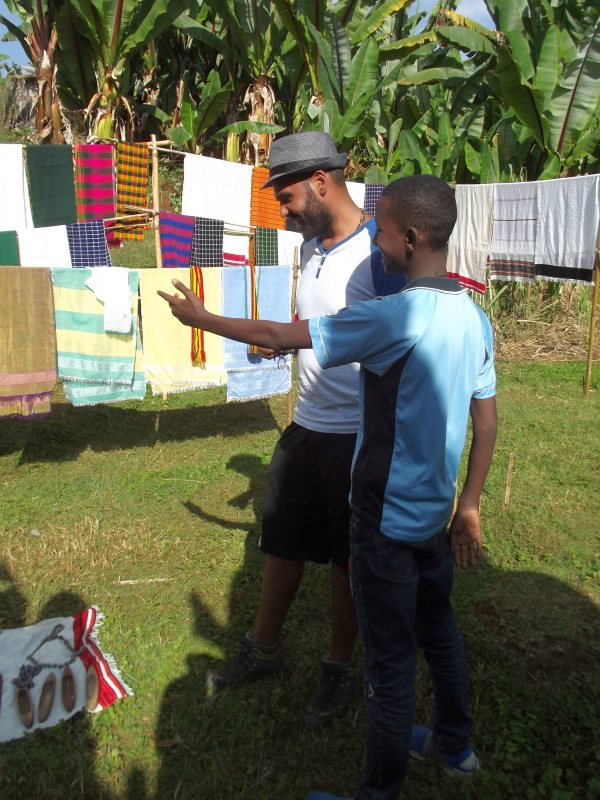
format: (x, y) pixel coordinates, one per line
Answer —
(475, 9)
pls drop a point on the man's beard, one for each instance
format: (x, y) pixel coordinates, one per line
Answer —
(314, 219)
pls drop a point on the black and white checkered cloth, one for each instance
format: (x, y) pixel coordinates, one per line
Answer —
(88, 245)
(207, 243)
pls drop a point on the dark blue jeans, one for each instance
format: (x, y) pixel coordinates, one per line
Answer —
(402, 598)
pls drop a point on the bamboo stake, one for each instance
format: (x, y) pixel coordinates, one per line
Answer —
(155, 201)
(511, 462)
(295, 268)
(593, 312)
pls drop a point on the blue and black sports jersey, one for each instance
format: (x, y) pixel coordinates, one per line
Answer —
(425, 352)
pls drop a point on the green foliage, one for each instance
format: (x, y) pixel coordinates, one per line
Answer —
(455, 99)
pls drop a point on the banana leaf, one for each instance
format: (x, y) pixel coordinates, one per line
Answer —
(468, 41)
(375, 18)
(524, 99)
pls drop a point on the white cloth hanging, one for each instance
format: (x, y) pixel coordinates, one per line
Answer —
(512, 250)
(469, 244)
(15, 211)
(216, 189)
(287, 241)
(111, 287)
(567, 224)
(356, 192)
(44, 247)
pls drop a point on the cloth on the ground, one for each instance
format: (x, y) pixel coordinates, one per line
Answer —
(85, 351)
(512, 249)
(9, 249)
(176, 235)
(44, 247)
(236, 250)
(95, 183)
(111, 287)
(265, 247)
(27, 342)
(264, 208)
(66, 641)
(88, 245)
(372, 194)
(167, 361)
(216, 189)
(51, 184)
(207, 243)
(287, 242)
(469, 244)
(132, 186)
(357, 193)
(250, 376)
(567, 228)
(15, 211)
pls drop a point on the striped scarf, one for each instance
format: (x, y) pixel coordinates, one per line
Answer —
(197, 286)
(132, 186)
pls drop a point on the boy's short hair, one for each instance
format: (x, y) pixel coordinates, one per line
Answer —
(426, 202)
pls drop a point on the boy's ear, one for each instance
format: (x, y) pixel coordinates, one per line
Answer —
(411, 236)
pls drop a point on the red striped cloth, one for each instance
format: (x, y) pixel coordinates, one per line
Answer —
(95, 184)
(132, 186)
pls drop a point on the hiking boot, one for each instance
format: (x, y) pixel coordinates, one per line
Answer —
(422, 746)
(253, 661)
(337, 684)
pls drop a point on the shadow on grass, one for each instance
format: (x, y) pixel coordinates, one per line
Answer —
(533, 646)
(56, 762)
(68, 431)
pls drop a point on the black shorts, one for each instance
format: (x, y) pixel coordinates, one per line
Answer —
(306, 513)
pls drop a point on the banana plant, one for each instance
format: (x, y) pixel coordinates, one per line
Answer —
(197, 129)
(114, 32)
(37, 36)
(245, 37)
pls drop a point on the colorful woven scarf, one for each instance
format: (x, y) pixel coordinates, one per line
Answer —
(176, 234)
(95, 184)
(264, 208)
(51, 184)
(132, 186)
(197, 286)
(253, 301)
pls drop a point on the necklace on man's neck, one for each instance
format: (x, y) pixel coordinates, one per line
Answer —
(361, 221)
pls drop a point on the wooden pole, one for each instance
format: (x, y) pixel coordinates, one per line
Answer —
(509, 476)
(295, 269)
(156, 200)
(593, 312)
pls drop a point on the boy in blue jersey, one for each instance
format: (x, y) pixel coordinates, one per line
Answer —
(426, 362)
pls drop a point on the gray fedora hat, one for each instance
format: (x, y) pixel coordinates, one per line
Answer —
(303, 152)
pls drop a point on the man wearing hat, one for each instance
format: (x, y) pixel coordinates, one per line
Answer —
(306, 507)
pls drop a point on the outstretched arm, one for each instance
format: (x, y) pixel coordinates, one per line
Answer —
(465, 528)
(190, 310)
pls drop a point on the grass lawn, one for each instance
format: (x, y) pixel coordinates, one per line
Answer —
(174, 490)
